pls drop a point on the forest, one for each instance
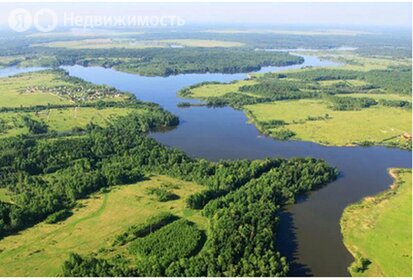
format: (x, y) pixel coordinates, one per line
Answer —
(240, 241)
(159, 62)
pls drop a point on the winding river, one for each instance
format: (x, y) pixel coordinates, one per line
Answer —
(309, 233)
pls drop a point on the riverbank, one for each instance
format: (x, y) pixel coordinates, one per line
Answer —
(334, 106)
(377, 230)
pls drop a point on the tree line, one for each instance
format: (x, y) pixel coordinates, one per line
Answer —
(163, 61)
(241, 235)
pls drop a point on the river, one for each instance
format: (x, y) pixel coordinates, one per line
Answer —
(309, 233)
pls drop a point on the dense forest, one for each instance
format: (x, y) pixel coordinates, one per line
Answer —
(159, 61)
(241, 237)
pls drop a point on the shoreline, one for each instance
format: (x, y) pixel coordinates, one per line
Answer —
(362, 266)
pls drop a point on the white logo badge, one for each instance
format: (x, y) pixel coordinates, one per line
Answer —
(44, 20)
(20, 20)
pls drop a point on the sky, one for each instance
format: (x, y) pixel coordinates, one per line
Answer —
(322, 13)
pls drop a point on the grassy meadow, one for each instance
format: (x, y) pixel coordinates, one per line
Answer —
(378, 230)
(62, 120)
(24, 90)
(353, 61)
(67, 119)
(215, 90)
(13, 93)
(377, 124)
(40, 250)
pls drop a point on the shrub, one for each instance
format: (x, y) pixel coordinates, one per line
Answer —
(58, 216)
(177, 240)
(162, 194)
(283, 134)
(142, 230)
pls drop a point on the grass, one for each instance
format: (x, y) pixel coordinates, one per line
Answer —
(107, 43)
(215, 90)
(376, 124)
(13, 94)
(10, 87)
(66, 119)
(360, 63)
(40, 250)
(379, 229)
(63, 120)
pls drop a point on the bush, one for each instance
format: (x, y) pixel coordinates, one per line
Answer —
(350, 103)
(58, 216)
(162, 194)
(283, 134)
(90, 266)
(360, 264)
(174, 241)
(199, 200)
(271, 124)
(396, 103)
(142, 230)
(35, 127)
(183, 104)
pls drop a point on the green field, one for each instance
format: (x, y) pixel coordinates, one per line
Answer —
(356, 62)
(107, 43)
(13, 90)
(50, 87)
(46, 88)
(63, 120)
(378, 230)
(40, 250)
(313, 118)
(214, 90)
(376, 124)
(67, 119)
